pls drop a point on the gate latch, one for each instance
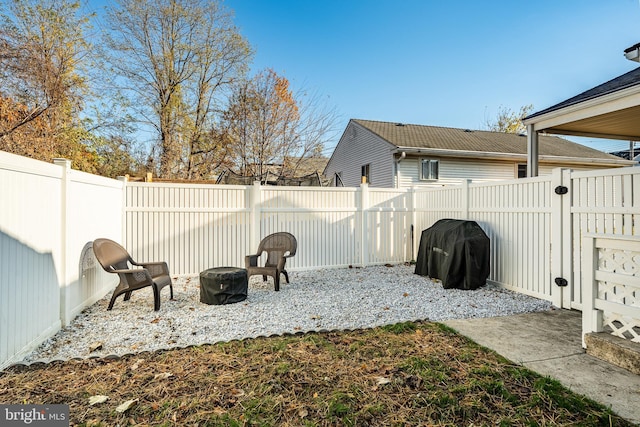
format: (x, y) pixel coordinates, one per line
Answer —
(561, 189)
(561, 281)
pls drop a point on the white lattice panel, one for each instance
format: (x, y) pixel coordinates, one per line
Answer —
(622, 264)
(617, 261)
(622, 326)
(620, 293)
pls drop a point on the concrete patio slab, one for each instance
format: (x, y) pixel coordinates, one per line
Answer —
(550, 344)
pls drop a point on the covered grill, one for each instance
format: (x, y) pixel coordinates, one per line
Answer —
(455, 252)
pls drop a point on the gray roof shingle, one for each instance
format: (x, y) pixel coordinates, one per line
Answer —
(419, 136)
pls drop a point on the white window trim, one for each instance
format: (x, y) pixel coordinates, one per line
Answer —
(420, 170)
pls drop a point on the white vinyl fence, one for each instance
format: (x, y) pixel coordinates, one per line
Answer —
(515, 215)
(50, 214)
(194, 227)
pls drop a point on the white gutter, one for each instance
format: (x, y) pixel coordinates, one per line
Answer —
(633, 54)
(403, 154)
(509, 156)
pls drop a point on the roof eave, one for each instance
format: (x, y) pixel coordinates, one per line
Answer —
(511, 156)
(624, 98)
(560, 131)
(586, 161)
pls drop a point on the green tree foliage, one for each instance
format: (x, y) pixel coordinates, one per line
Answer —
(42, 87)
(509, 121)
(175, 57)
(174, 69)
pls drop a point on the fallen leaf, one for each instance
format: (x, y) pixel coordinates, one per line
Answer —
(137, 364)
(127, 405)
(382, 380)
(156, 320)
(163, 376)
(303, 413)
(95, 346)
(93, 400)
(405, 294)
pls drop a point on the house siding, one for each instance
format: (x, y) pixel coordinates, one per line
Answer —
(545, 169)
(348, 158)
(454, 171)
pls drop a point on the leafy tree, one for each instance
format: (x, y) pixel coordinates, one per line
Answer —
(42, 47)
(509, 121)
(174, 58)
(115, 156)
(268, 124)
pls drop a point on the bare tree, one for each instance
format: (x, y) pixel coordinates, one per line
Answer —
(174, 58)
(509, 121)
(268, 124)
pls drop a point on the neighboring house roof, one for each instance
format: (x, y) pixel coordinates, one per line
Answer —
(626, 154)
(307, 165)
(298, 171)
(632, 78)
(409, 137)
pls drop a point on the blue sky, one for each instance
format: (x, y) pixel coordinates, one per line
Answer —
(441, 62)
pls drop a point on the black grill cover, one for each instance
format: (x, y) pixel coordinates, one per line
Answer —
(455, 252)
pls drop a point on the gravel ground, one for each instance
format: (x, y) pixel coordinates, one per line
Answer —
(316, 300)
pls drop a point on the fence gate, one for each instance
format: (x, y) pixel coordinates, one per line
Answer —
(602, 203)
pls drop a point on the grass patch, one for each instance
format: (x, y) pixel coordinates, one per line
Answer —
(399, 375)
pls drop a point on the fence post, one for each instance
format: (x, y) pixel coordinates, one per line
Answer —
(561, 280)
(124, 180)
(64, 228)
(413, 215)
(591, 318)
(573, 280)
(364, 238)
(465, 198)
(255, 214)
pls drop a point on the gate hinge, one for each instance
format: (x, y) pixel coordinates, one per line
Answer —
(561, 281)
(561, 189)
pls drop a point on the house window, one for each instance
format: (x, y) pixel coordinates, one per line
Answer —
(429, 169)
(337, 179)
(522, 170)
(366, 169)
